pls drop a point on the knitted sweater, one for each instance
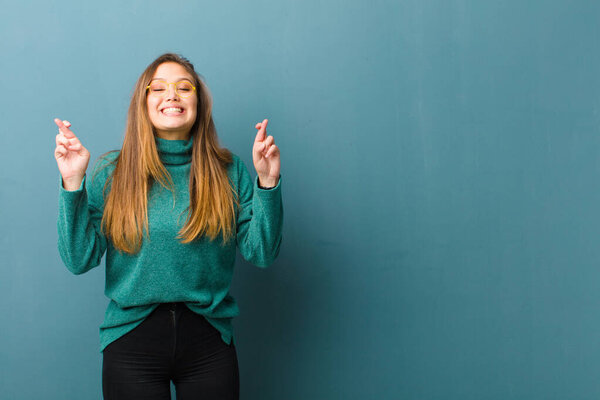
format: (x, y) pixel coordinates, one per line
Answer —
(165, 270)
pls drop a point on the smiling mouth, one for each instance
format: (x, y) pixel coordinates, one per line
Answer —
(172, 111)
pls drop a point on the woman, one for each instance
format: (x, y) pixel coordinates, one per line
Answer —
(168, 209)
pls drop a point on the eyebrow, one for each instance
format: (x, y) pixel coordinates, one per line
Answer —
(178, 79)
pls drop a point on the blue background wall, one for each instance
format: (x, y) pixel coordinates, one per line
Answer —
(440, 169)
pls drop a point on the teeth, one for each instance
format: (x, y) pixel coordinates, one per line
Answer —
(172, 109)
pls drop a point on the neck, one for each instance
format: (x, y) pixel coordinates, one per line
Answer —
(173, 151)
(173, 135)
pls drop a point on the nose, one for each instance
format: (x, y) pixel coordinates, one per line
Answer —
(171, 91)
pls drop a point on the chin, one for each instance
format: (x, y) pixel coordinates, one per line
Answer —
(175, 127)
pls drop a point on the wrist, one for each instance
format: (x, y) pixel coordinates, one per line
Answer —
(267, 183)
(72, 183)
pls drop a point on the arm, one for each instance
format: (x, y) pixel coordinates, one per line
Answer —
(80, 242)
(259, 221)
(260, 218)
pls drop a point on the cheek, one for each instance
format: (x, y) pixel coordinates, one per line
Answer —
(152, 113)
(151, 105)
(193, 110)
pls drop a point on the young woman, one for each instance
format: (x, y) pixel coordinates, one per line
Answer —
(169, 210)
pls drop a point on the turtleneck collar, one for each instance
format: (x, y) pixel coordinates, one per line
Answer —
(174, 152)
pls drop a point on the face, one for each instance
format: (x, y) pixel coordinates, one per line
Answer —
(171, 114)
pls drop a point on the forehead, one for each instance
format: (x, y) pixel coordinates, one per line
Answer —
(171, 71)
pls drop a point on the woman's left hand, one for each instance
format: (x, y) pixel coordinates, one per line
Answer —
(265, 155)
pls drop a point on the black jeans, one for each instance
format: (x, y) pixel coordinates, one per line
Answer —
(171, 344)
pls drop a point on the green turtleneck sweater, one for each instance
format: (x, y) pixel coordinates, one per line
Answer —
(165, 270)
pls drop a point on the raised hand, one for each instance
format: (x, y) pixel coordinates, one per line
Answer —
(72, 158)
(265, 155)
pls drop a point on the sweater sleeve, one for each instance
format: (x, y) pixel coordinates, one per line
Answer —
(80, 242)
(260, 220)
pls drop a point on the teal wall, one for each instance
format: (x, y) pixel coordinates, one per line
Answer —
(440, 169)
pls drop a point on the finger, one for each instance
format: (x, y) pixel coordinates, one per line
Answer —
(262, 131)
(73, 140)
(69, 144)
(63, 129)
(59, 123)
(260, 135)
(260, 124)
(62, 140)
(67, 123)
(268, 142)
(60, 151)
(259, 148)
(273, 150)
(75, 147)
(62, 146)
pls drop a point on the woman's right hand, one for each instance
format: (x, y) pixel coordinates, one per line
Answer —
(72, 158)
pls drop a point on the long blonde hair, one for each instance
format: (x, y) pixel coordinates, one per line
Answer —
(212, 199)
